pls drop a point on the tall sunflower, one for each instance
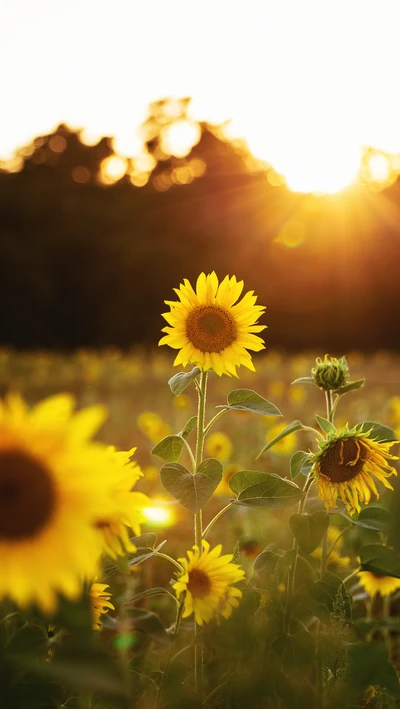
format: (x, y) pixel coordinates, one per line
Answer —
(345, 466)
(377, 583)
(207, 582)
(55, 485)
(209, 330)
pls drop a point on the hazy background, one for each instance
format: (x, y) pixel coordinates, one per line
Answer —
(282, 167)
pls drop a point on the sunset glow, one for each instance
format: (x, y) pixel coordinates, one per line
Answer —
(307, 85)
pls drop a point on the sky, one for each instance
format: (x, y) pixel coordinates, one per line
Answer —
(307, 83)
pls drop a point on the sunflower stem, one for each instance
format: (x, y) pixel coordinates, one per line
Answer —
(386, 630)
(216, 518)
(330, 550)
(170, 559)
(213, 420)
(169, 658)
(320, 668)
(198, 532)
(330, 410)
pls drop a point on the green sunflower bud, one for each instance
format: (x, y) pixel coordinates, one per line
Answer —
(330, 373)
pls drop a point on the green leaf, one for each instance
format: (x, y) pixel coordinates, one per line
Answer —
(144, 551)
(379, 433)
(351, 386)
(296, 650)
(30, 638)
(169, 449)
(380, 560)
(36, 694)
(192, 491)
(179, 382)
(249, 400)
(324, 594)
(304, 380)
(291, 428)
(325, 425)
(256, 489)
(188, 427)
(300, 462)
(369, 665)
(309, 529)
(376, 518)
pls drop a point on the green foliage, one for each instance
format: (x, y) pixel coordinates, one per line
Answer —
(378, 432)
(380, 560)
(146, 547)
(179, 382)
(169, 449)
(192, 491)
(351, 386)
(189, 427)
(322, 595)
(300, 462)
(257, 489)
(309, 529)
(291, 428)
(249, 400)
(330, 373)
(325, 425)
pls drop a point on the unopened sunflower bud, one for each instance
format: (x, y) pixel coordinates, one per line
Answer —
(330, 373)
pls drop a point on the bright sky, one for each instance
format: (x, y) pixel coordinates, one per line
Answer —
(307, 82)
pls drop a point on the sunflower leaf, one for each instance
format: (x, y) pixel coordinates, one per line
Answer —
(179, 382)
(304, 380)
(249, 400)
(380, 560)
(192, 491)
(351, 386)
(257, 489)
(291, 428)
(308, 529)
(169, 448)
(378, 432)
(325, 593)
(377, 518)
(189, 427)
(143, 551)
(300, 462)
(325, 425)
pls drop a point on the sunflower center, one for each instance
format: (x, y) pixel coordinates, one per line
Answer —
(27, 496)
(199, 583)
(343, 460)
(210, 328)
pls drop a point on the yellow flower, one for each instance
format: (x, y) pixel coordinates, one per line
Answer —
(223, 487)
(335, 557)
(114, 528)
(100, 602)
(207, 582)
(153, 426)
(55, 485)
(375, 583)
(209, 330)
(345, 466)
(182, 402)
(219, 445)
(287, 445)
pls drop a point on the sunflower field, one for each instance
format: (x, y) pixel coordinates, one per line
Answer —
(212, 527)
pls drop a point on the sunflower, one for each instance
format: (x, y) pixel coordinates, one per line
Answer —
(377, 583)
(336, 557)
(207, 580)
(100, 602)
(209, 330)
(219, 445)
(115, 528)
(55, 485)
(346, 463)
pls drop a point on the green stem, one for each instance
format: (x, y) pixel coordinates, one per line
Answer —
(216, 518)
(313, 430)
(191, 456)
(168, 662)
(386, 631)
(337, 539)
(293, 567)
(198, 532)
(329, 406)
(320, 678)
(170, 559)
(350, 576)
(214, 419)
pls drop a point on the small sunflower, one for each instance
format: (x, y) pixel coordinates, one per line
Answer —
(377, 583)
(345, 466)
(219, 445)
(55, 485)
(100, 602)
(209, 330)
(207, 581)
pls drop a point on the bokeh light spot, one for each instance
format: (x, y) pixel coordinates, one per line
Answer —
(178, 138)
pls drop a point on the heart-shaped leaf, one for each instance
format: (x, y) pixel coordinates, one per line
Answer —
(249, 400)
(309, 529)
(179, 382)
(169, 448)
(256, 489)
(192, 491)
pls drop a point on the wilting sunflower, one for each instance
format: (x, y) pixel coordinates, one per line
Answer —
(207, 581)
(55, 485)
(116, 528)
(100, 602)
(209, 330)
(345, 466)
(377, 583)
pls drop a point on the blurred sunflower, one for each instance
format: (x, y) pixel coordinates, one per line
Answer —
(286, 446)
(219, 445)
(152, 425)
(335, 557)
(209, 330)
(377, 583)
(207, 582)
(55, 484)
(345, 466)
(100, 602)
